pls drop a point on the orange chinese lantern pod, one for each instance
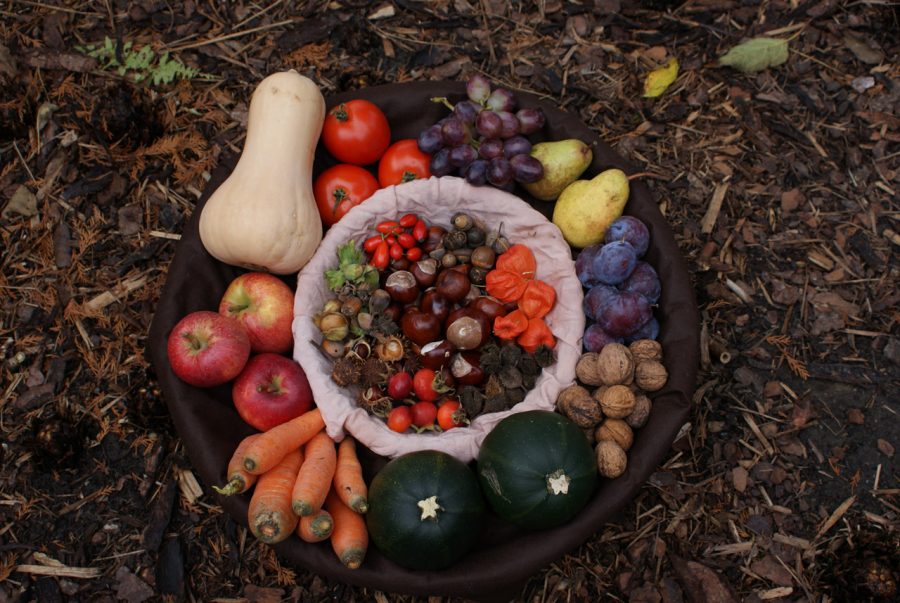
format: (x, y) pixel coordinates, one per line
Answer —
(510, 326)
(505, 285)
(536, 335)
(518, 259)
(537, 300)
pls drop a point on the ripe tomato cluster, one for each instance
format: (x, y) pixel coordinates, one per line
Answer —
(396, 239)
(358, 134)
(426, 412)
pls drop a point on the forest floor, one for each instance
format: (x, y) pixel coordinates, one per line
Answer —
(781, 188)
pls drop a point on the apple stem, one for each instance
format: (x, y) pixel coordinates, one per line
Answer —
(272, 387)
(195, 342)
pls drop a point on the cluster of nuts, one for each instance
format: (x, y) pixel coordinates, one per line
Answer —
(620, 377)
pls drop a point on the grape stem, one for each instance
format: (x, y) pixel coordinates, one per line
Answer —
(443, 100)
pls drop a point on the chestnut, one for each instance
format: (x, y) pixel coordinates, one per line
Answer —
(420, 327)
(466, 333)
(393, 312)
(425, 272)
(435, 303)
(478, 276)
(483, 257)
(379, 299)
(436, 354)
(490, 306)
(434, 238)
(453, 284)
(448, 260)
(466, 368)
(485, 324)
(401, 264)
(402, 286)
(474, 237)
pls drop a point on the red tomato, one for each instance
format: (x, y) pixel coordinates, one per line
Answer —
(341, 188)
(399, 419)
(423, 385)
(450, 415)
(356, 132)
(402, 162)
(424, 413)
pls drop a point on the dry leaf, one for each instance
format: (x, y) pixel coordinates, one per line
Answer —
(739, 478)
(756, 54)
(23, 202)
(886, 448)
(660, 79)
(791, 200)
(862, 51)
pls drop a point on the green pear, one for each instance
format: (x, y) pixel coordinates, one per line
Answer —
(586, 208)
(564, 161)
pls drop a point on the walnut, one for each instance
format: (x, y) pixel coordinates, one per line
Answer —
(576, 403)
(588, 369)
(617, 402)
(616, 364)
(650, 375)
(616, 430)
(645, 349)
(611, 459)
(641, 412)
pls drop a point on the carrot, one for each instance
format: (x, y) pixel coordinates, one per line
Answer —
(316, 527)
(316, 473)
(349, 538)
(348, 478)
(270, 516)
(267, 450)
(239, 480)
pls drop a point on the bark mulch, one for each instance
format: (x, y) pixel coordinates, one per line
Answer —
(781, 188)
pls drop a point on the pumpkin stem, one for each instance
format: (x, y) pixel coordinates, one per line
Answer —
(430, 508)
(558, 482)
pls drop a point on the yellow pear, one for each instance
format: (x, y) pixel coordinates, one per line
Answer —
(564, 161)
(586, 208)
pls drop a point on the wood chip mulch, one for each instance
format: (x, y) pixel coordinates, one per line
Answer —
(781, 188)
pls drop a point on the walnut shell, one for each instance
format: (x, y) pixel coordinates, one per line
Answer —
(598, 393)
(616, 430)
(645, 349)
(616, 364)
(617, 402)
(650, 375)
(588, 369)
(611, 459)
(576, 403)
(640, 414)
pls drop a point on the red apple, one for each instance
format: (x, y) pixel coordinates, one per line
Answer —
(207, 349)
(270, 390)
(265, 306)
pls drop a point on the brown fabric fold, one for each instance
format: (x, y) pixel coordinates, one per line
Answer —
(506, 557)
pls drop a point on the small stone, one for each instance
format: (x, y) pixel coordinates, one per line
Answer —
(739, 477)
(886, 448)
(855, 416)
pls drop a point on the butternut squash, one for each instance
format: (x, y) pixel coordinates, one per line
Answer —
(264, 215)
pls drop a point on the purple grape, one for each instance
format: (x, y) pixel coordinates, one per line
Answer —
(476, 172)
(531, 120)
(466, 111)
(516, 145)
(631, 230)
(490, 148)
(430, 140)
(488, 124)
(650, 330)
(526, 169)
(501, 99)
(440, 163)
(596, 298)
(499, 172)
(584, 265)
(645, 281)
(454, 133)
(462, 155)
(509, 124)
(624, 314)
(595, 338)
(478, 89)
(614, 263)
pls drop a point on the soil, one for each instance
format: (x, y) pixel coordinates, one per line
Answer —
(780, 186)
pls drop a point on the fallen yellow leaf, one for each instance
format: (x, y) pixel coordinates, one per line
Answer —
(660, 79)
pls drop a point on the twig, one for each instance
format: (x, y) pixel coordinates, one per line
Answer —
(230, 36)
(715, 206)
(836, 516)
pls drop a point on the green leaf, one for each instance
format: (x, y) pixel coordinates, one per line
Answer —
(756, 54)
(334, 279)
(349, 254)
(660, 79)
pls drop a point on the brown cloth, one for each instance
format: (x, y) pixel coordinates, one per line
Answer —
(506, 557)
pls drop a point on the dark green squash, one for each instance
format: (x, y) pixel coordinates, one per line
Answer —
(425, 510)
(537, 469)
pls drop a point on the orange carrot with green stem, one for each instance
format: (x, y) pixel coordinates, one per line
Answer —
(316, 527)
(271, 446)
(349, 539)
(348, 478)
(239, 479)
(270, 515)
(315, 475)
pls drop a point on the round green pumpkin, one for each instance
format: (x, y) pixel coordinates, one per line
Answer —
(537, 469)
(425, 510)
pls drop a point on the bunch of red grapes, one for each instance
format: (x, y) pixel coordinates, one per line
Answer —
(484, 138)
